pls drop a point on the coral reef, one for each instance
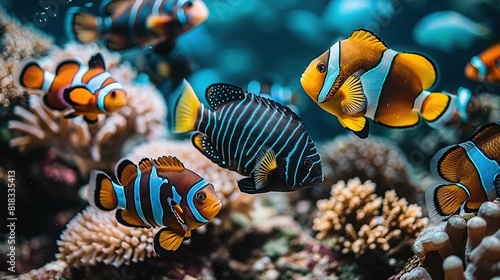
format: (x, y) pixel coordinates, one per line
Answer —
(17, 41)
(459, 248)
(375, 159)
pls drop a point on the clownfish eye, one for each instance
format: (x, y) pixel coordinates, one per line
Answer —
(201, 196)
(113, 93)
(321, 67)
(189, 4)
(307, 163)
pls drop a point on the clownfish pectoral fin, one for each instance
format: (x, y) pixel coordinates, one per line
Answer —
(435, 105)
(424, 68)
(472, 206)
(96, 61)
(445, 200)
(101, 192)
(126, 171)
(353, 101)
(247, 185)
(369, 38)
(29, 74)
(108, 7)
(82, 26)
(358, 125)
(218, 94)
(186, 110)
(130, 219)
(445, 162)
(168, 164)
(203, 144)
(78, 96)
(167, 239)
(90, 118)
(265, 164)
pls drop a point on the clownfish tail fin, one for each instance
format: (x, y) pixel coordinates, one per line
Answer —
(186, 110)
(437, 108)
(29, 74)
(101, 192)
(82, 26)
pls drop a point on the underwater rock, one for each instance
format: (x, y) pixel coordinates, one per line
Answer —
(375, 159)
(474, 243)
(17, 41)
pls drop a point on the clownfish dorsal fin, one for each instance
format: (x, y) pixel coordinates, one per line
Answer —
(445, 200)
(168, 163)
(145, 165)
(369, 38)
(126, 171)
(445, 162)
(486, 136)
(353, 101)
(108, 7)
(70, 65)
(265, 164)
(218, 94)
(423, 67)
(96, 61)
(358, 125)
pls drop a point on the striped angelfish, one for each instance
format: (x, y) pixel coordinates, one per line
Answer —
(251, 135)
(159, 192)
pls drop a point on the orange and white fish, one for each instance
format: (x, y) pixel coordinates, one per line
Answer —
(130, 23)
(471, 171)
(360, 78)
(485, 67)
(76, 88)
(159, 192)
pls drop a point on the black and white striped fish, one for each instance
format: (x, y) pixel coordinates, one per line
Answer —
(251, 135)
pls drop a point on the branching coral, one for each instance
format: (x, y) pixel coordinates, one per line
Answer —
(17, 41)
(374, 159)
(354, 220)
(96, 146)
(460, 249)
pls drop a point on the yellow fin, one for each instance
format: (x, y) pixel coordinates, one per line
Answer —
(353, 101)
(408, 120)
(111, 6)
(168, 239)
(126, 171)
(78, 96)
(445, 200)
(83, 25)
(186, 110)
(129, 218)
(423, 68)
(168, 163)
(358, 125)
(369, 38)
(101, 192)
(157, 23)
(435, 105)
(90, 118)
(265, 164)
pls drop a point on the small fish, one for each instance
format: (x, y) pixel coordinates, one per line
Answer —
(76, 88)
(447, 30)
(128, 23)
(159, 192)
(251, 135)
(485, 67)
(471, 171)
(360, 78)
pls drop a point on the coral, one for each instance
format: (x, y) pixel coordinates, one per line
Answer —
(354, 220)
(459, 248)
(52, 270)
(374, 158)
(94, 236)
(17, 41)
(97, 146)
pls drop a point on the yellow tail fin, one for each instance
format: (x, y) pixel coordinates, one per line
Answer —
(186, 110)
(82, 26)
(29, 74)
(101, 193)
(435, 106)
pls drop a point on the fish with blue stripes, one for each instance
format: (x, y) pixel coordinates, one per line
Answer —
(156, 193)
(74, 88)
(361, 78)
(129, 23)
(485, 67)
(251, 135)
(471, 171)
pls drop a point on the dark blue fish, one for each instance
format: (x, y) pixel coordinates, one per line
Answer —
(251, 135)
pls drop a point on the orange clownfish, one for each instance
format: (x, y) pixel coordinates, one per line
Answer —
(485, 67)
(471, 171)
(360, 78)
(82, 90)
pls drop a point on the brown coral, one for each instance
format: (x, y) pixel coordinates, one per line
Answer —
(354, 220)
(94, 236)
(460, 249)
(374, 158)
(17, 41)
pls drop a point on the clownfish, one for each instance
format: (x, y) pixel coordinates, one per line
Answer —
(472, 173)
(84, 90)
(485, 67)
(156, 193)
(128, 23)
(360, 78)
(251, 135)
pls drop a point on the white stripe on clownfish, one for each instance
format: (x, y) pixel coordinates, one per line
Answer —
(155, 184)
(332, 73)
